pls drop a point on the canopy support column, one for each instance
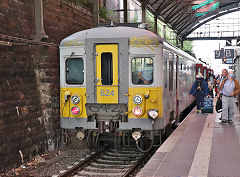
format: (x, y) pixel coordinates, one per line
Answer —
(38, 20)
(96, 13)
(125, 10)
(155, 24)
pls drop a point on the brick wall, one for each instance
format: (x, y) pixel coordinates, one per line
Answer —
(29, 78)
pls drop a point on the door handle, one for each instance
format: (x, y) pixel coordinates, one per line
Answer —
(98, 80)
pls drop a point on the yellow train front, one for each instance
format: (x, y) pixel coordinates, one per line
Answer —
(121, 79)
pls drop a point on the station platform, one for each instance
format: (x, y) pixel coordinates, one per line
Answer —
(201, 146)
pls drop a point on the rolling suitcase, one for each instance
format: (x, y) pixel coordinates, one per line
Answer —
(207, 105)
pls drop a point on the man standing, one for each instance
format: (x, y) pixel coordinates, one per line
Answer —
(220, 79)
(229, 88)
(199, 90)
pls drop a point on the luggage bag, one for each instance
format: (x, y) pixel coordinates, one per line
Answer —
(207, 105)
(219, 105)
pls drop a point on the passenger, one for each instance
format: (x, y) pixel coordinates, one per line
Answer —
(220, 79)
(199, 90)
(146, 76)
(210, 87)
(229, 88)
(212, 78)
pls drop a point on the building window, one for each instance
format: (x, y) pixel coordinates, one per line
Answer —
(74, 71)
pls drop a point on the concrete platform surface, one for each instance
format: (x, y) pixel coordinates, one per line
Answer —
(201, 146)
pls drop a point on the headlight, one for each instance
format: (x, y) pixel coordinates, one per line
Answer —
(137, 99)
(153, 113)
(75, 110)
(137, 111)
(75, 99)
(136, 135)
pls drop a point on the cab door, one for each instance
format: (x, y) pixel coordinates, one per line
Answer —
(107, 73)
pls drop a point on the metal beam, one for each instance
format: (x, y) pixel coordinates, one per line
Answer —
(209, 16)
(172, 16)
(204, 22)
(173, 9)
(125, 9)
(209, 38)
(178, 21)
(156, 24)
(158, 9)
(38, 20)
(96, 13)
(144, 4)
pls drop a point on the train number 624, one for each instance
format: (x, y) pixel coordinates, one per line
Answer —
(107, 92)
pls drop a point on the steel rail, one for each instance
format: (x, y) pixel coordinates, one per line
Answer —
(136, 165)
(83, 164)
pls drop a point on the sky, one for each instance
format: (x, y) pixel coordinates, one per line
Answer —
(205, 49)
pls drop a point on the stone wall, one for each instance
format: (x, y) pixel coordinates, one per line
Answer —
(29, 78)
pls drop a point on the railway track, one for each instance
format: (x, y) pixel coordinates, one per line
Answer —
(108, 163)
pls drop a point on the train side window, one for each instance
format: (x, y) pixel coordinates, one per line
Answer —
(74, 71)
(170, 75)
(106, 68)
(142, 71)
(165, 73)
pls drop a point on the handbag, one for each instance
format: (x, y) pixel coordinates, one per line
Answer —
(219, 105)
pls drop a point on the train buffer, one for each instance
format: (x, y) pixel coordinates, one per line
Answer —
(200, 146)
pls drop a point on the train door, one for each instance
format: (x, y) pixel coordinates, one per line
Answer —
(208, 72)
(199, 69)
(204, 72)
(171, 85)
(177, 99)
(107, 73)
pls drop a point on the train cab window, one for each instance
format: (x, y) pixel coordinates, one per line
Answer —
(142, 71)
(107, 68)
(74, 71)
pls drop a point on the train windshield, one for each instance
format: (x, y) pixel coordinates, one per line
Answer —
(142, 71)
(74, 71)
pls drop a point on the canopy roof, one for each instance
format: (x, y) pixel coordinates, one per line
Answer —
(184, 16)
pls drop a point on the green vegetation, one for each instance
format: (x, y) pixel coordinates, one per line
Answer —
(86, 3)
(107, 13)
(188, 46)
(170, 34)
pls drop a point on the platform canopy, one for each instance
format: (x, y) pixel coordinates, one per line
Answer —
(184, 16)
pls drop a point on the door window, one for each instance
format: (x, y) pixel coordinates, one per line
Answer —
(106, 68)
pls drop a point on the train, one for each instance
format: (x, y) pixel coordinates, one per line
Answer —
(123, 80)
(237, 71)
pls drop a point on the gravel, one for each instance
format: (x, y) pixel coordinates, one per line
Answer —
(50, 164)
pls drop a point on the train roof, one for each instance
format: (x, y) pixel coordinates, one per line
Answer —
(78, 39)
